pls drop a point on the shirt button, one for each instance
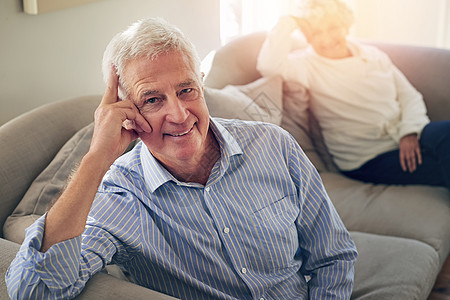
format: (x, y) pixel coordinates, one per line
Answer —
(226, 230)
(207, 188)
(244, 271)
(261, 298)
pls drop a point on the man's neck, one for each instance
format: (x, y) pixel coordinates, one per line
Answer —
(199, 171)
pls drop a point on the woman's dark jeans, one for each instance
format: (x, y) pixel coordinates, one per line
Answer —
(434, 170)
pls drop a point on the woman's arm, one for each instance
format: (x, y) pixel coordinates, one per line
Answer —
(274, 58)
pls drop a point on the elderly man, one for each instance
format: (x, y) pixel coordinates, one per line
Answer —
(200, 208)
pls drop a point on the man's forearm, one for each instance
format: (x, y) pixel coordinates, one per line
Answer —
(333, 282)
(67, 218)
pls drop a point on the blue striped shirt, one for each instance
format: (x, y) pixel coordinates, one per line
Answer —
(262, 227)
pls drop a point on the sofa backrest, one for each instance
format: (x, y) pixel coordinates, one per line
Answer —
(428, 69)
(235, 62)
(29, 142)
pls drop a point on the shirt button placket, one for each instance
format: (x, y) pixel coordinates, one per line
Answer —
(226, 230)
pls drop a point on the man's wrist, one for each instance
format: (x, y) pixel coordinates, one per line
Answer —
(97, 163)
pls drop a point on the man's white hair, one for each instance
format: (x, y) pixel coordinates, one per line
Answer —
(146, 38)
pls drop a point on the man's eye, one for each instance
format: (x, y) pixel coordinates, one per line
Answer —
(188, 94)
(186, 91)
(151, 100)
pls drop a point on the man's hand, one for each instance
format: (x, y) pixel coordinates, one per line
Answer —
(67, 217)
(410, 155)
(117, 123)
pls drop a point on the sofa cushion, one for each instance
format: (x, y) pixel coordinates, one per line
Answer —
(301, 123)
(47, 186)
(260, 100)
(275, 101)
(411, 211)
(319, 145)
(393, 268)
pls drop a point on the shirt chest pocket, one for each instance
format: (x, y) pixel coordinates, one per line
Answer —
(282, 211)
(275, 236)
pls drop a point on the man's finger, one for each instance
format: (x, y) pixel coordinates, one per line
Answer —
(111, 93)
(142, 123)
(134, 119)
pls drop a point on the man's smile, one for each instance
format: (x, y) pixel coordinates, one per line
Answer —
(178, 134)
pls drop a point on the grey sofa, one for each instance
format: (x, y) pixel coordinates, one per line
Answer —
(402, 232)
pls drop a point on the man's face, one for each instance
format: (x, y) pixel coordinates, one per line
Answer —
(169, 94)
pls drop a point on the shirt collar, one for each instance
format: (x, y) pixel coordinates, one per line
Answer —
(228, 145)
(156, 174)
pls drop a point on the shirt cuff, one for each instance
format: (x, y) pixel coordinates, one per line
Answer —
(59, 266)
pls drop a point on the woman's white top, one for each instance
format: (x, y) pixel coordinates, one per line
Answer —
(363, 103)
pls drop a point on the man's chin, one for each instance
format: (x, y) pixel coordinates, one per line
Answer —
(179, 156)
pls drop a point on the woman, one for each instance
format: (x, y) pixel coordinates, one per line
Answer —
(373, 120)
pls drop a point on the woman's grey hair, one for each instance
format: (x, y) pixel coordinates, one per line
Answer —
(313, 10)
(146, 38)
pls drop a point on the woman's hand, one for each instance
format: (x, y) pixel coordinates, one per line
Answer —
(410, 154)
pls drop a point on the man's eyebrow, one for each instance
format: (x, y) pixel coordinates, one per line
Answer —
(186, 83)
(147, 93)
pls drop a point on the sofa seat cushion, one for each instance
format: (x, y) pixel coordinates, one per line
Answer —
(393, 268)
(414, 211)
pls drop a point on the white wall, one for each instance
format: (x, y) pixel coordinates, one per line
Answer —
(57, 55)
(414, 22)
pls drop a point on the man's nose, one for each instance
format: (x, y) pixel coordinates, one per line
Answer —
(176, 110)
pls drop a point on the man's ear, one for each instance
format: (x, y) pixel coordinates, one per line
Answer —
(203, 80)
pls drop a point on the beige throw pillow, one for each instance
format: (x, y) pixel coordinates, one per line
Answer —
(260, 100)
(276, 101)
(301, 123)
(47, 186)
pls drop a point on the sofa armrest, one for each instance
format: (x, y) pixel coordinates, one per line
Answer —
(104, 286)
(101, 286)
(8, 250)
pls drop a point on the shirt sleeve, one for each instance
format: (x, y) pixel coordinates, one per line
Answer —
(413, 110)
(276, 56)
(59, 273)
(327, 248)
